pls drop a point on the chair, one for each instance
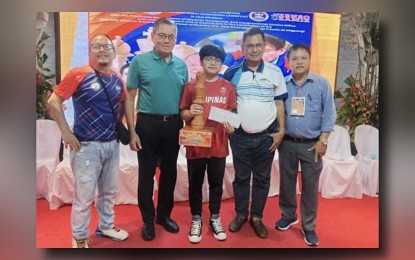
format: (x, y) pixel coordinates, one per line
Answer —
(48, 142)
(367, 146)
(340, 175)
(274, 188)
(61, 185)
(229, 176)
(128, 177)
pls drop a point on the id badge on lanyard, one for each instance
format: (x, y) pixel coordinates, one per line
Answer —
(297, 106)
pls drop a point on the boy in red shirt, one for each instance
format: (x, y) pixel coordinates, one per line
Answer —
(221, 94)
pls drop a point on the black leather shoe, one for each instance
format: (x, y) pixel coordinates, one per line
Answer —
(168, 224)
(259, 227)
(147, 232)
(237, 223)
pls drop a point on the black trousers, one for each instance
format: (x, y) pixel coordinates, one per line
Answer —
(159, 139)
(196, 168)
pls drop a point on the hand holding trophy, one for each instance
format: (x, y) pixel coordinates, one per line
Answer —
(197, 134)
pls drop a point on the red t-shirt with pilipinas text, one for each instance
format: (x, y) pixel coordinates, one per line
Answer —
(221, 94)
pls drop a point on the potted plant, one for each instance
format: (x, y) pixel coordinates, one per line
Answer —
(44, 84)
(359, 101)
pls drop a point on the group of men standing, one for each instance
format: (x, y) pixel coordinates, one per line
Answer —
(271, 116)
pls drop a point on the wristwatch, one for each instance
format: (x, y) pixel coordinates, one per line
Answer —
(324, 141)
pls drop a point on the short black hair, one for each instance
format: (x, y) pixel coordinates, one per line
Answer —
(212, 50)
(298, 46)
(251, 31)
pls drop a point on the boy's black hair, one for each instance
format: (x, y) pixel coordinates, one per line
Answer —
(212, 50)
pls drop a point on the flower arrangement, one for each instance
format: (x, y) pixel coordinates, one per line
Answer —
(358, 103)
(44, 84)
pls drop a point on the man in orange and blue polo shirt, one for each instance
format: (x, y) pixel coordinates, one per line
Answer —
(94, 154)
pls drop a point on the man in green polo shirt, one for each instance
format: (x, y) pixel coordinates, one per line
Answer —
(159, 77)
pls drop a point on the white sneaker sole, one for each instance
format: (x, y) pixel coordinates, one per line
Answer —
(195, 239)
(287, 227)
(102, 235)
(305, 240)
(220, 236)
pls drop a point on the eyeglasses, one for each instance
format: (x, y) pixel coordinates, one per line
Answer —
(162, 36)
(212, 59)
(97, 47)
(254, 46)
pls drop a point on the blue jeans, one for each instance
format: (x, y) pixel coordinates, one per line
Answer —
(251, 155)
(95, 165)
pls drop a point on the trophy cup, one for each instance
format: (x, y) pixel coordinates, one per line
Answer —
(197, 134)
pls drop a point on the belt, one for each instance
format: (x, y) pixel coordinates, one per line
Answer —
(100, 141)
(161, 118)
(270, 130)
(300, 140)
(240, 130)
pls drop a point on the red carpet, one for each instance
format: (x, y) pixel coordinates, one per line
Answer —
(341, 223)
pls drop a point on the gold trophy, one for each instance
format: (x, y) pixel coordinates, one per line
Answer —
(197, 134)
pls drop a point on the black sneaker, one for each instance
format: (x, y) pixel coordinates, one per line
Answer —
(310, 237)
(195, 234)
(284, 224)
(217, 229)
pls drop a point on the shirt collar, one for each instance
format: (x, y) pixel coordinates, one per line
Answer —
(156, 56)
(310, 78)
(260, 68)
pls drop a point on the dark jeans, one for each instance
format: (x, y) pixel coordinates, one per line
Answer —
(196, 168)
(251, 155)
(290, 153)
(159, 140)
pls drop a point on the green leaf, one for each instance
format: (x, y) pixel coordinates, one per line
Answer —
(348, 91)
(337, 95)
(43, 58)
(349, 81)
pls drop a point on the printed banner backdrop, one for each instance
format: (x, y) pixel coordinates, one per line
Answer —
(131, 33)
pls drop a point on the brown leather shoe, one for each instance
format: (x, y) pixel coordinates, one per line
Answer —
(237, 223)
(259, 227)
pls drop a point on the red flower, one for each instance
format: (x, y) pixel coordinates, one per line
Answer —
(39, 79)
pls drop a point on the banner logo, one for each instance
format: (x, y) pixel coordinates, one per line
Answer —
(258, 16)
